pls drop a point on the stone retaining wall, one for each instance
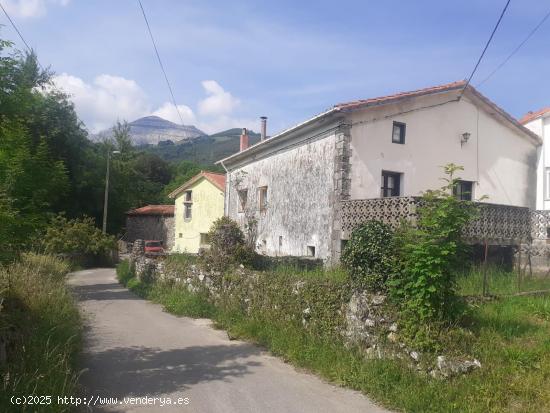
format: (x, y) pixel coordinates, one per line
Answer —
(368, 322)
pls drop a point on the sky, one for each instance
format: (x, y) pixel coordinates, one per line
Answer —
(230, 62)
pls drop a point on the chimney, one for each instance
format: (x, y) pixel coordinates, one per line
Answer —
(244, 140)
(263, 128)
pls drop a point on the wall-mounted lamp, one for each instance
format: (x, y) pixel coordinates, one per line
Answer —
(464, 138)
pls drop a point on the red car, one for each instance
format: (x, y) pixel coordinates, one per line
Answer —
(153, 248)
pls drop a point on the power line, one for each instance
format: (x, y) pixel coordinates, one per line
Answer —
(515, 50)
(30, 50)
(485, 48)
(160, 61)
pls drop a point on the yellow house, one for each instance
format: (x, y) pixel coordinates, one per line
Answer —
(198, 203)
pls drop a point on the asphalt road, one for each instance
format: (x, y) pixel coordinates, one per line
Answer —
(134, 349)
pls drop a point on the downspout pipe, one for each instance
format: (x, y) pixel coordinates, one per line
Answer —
(227, 190)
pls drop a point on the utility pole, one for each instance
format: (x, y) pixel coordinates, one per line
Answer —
(106, 197)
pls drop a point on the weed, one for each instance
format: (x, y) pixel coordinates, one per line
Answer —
(43, 330)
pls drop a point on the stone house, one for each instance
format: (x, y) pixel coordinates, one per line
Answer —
(151, 222)
(289, 192)
(198, 203)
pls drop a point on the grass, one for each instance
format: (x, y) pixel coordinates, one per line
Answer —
(42, 325)
(499, 282)
(174, 297)
(181, 259)
(293, 271)
(511, 338)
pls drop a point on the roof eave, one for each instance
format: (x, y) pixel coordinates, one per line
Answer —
(189, 183)
(396, 99)
(513, 121)
(258, 146)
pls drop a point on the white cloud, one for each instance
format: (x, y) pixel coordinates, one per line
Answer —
(30, 8)
(168, 111)
(226, 122)
(219, 102)
(110, 98)
(104, 101)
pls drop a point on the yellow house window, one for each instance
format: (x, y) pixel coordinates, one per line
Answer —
(187, 205)
(262, 194)
(205, 239)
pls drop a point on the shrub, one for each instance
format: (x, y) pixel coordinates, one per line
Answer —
(123, 272)
(46, 265)
(431, 250)
(77, 238)
(225, 237)
(227, 246)
(246, 256)
(370, 255)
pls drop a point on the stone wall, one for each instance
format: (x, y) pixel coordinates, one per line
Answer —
(298, 217)
(358, 318)
(151, 227)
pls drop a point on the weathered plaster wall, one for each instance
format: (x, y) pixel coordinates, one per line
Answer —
(301, 196)
(498, 158)
(150, 227)
(207, 207)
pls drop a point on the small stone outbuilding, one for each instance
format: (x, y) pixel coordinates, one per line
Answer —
(151, 222)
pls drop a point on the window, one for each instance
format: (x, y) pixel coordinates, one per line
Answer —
(187, 211)
(391, 184)
(463, 190)
(181, 235)
(187, 205)
(310, 251)
(205, 239)
(398, 133)
(262, 194)
(280, 241)
(243, 196)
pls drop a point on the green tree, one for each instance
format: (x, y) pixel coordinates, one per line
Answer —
(121, 136)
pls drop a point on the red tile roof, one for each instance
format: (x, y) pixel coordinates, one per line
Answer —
(216, 179)
(394, 98)
(387, 99)
(153, 210)
(529, 116)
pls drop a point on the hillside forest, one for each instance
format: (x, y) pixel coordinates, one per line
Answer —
(49, 166)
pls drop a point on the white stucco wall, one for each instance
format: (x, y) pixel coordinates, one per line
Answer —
(306, 177)
(300, 198)
(541, 127)
(499, 159)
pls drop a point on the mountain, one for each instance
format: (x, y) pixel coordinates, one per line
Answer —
(153, 130)
(204, 150)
